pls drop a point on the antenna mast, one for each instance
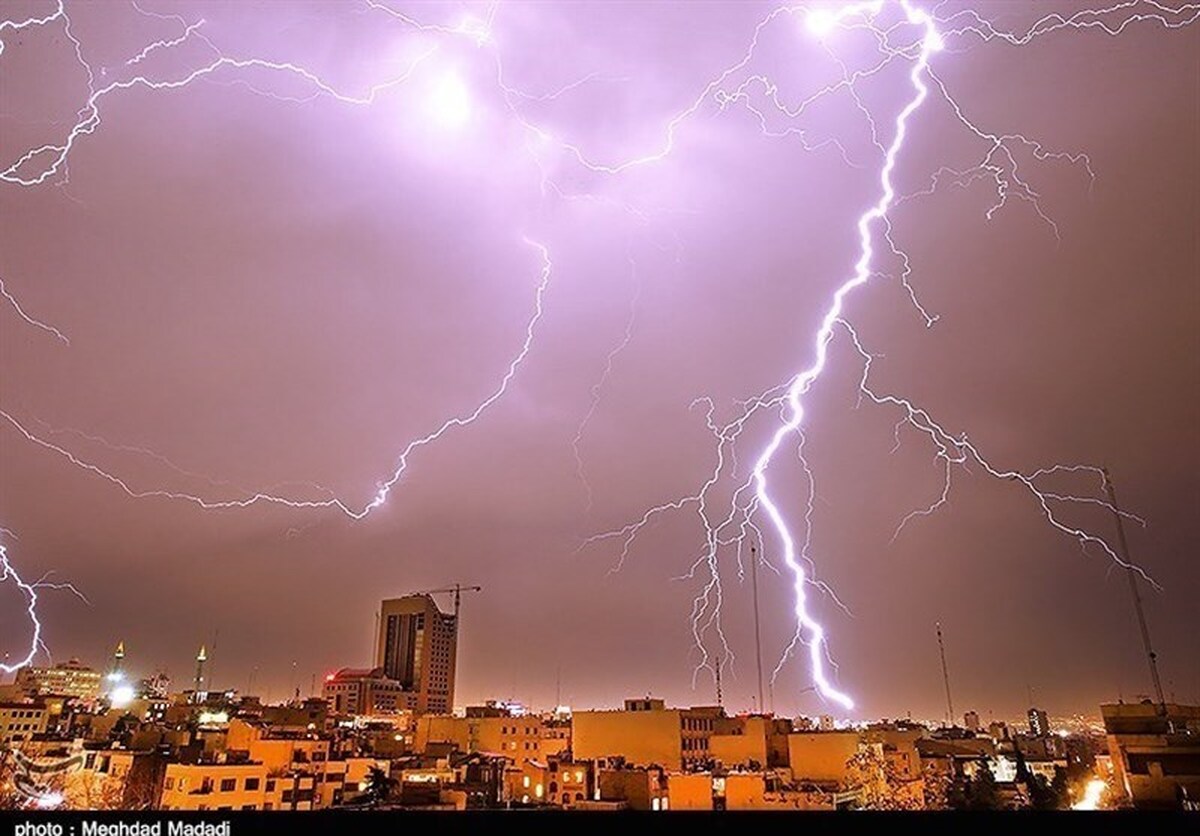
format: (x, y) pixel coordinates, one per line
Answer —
(762, 706)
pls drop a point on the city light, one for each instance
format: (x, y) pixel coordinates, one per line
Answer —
(49, 800)
(1092, 794)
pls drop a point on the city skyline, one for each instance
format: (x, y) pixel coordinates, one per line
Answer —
(78, 679)
(269, 282)
(309, 684)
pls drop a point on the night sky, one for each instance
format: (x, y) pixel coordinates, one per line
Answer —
(266, 288)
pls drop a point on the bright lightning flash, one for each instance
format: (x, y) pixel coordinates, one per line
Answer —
(451, 105)
(449, 102)
(805, 379)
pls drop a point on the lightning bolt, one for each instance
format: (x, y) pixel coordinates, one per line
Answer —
(998, 165)
(598, 387)
(36, 323)
(29, 590)
(384, 487)
(801, 383)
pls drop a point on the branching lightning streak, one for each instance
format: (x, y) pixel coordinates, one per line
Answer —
(497, 394)
(598, 387)
(815, 632)
(47, 431)
(959, 451)
(36, 323)
(999, 165)
(89, 121)
(1169, 17)
(30, 592)
(89, 114)
(16, 25)
(384, 487)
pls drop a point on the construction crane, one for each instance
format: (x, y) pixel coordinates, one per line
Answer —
(945, 677)
(458, 589)
(1151, 656)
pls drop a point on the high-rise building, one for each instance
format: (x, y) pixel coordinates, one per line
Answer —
(417, 647)
(1039, 723)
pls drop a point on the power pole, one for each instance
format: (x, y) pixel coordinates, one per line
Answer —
(1151, 656)
(945, 677)
(762, 706)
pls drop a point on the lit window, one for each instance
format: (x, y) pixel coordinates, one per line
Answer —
(579, 776)
(526, 782)
(654, 804)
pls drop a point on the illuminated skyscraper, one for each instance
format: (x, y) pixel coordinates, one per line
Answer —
(417, 647)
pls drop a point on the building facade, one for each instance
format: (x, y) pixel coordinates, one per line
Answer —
(519, 738)
(243, 786)
(1155, 751)
(20, 721)
(366, 693)
(68, 679)
(417, 647)
(646, 733)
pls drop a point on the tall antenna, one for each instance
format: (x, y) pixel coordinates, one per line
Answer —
(1151, 656)
(945, 677)
(720, 701)
(762, 706)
